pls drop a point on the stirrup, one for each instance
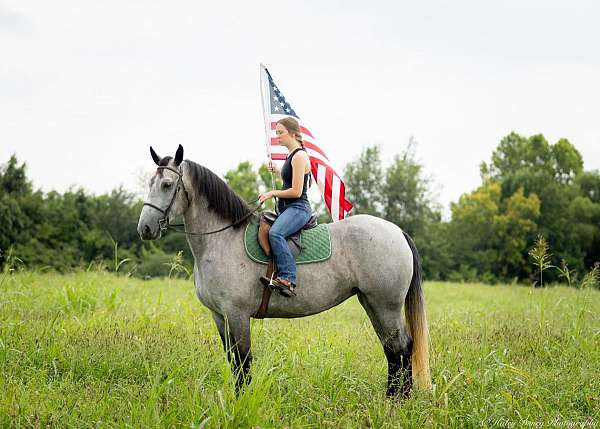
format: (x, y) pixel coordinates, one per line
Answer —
(267, 282)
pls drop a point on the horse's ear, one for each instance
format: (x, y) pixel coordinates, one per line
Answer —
(179, 155)
(155, 157)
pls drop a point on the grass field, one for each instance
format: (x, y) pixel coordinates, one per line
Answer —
(96, 350)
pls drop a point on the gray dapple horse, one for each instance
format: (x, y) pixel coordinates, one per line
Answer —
(372, 258)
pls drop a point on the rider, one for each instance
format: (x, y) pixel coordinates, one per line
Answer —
(293, 205)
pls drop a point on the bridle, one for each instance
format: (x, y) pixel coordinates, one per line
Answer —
(164, 224)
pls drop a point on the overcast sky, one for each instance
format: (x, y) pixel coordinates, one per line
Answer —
(87, 86)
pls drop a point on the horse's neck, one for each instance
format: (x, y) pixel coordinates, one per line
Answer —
(199, 218)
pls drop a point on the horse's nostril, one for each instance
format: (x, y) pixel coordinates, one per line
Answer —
(146, 229)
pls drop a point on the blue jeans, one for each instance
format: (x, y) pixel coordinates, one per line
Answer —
(293, 217)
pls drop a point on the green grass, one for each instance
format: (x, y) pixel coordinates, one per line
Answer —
(96, 350)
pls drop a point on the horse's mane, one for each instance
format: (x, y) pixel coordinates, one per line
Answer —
(221, 198)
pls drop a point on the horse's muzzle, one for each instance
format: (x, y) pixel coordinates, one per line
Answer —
(146, 232)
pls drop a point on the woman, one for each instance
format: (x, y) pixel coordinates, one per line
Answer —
(293, 205)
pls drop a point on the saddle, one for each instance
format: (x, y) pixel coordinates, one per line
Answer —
(267, 219)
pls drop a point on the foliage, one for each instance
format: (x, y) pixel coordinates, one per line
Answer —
(490, 235)
(364, 180)
(542, 189)
(565, 272)
(176, 265)
(406, 193)
(529, 187)
(70, 230)
(592, 278)
(118, 262)
(243, 180)
(153, 263)
(569, 218)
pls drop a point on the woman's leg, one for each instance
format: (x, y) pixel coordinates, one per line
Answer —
(288, 222)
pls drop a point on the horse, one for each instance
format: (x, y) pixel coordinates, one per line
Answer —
(372, 259)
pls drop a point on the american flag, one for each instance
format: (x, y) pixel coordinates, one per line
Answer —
(276, 107)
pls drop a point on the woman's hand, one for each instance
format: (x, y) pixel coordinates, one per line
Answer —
(273, 168)
(263, 197)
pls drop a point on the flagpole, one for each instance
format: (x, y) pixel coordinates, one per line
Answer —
(265, 92)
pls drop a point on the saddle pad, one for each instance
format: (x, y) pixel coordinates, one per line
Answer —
(316, 245)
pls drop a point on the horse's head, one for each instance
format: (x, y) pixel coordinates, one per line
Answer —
(167, 197)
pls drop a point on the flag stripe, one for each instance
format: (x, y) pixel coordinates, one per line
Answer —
(335, 197)
(328, 183)
(320, 175)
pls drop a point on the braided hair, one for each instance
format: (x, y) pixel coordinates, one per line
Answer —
(293, 127)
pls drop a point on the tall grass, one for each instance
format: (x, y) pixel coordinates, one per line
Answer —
(96, 350)
(540, 255)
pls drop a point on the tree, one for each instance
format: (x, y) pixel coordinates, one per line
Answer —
(243, 180)
(550, 172)
(406, 193)
(586, 212)
(13, 178)
(15, 189)
(364, 180)
(491, 234)
(266, 181)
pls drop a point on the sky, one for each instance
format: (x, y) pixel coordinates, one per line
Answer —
(87, 86)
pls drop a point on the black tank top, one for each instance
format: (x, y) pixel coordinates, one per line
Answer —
(286, 177)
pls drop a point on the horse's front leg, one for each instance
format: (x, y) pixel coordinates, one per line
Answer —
(224, 334)
(235, 335)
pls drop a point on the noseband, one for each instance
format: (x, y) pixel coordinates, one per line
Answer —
(163, 223)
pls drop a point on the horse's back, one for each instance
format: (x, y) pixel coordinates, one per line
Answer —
(375, 250)
(375, 233)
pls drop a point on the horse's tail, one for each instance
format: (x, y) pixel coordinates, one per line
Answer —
(414, 309)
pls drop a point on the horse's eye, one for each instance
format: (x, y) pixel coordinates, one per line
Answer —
(167, 185)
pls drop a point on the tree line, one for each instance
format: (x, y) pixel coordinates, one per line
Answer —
(529, 189)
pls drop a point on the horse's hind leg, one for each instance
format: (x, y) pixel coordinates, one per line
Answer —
(397, 345)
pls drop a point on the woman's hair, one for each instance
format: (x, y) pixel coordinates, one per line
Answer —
(292, 126)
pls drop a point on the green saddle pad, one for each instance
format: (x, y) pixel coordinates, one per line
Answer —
(316, 245)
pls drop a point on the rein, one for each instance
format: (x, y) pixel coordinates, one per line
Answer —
(164, 224)
(173, 228)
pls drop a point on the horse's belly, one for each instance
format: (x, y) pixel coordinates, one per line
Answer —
(309, 301)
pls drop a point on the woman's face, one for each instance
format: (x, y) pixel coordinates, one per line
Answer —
(283, 136)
